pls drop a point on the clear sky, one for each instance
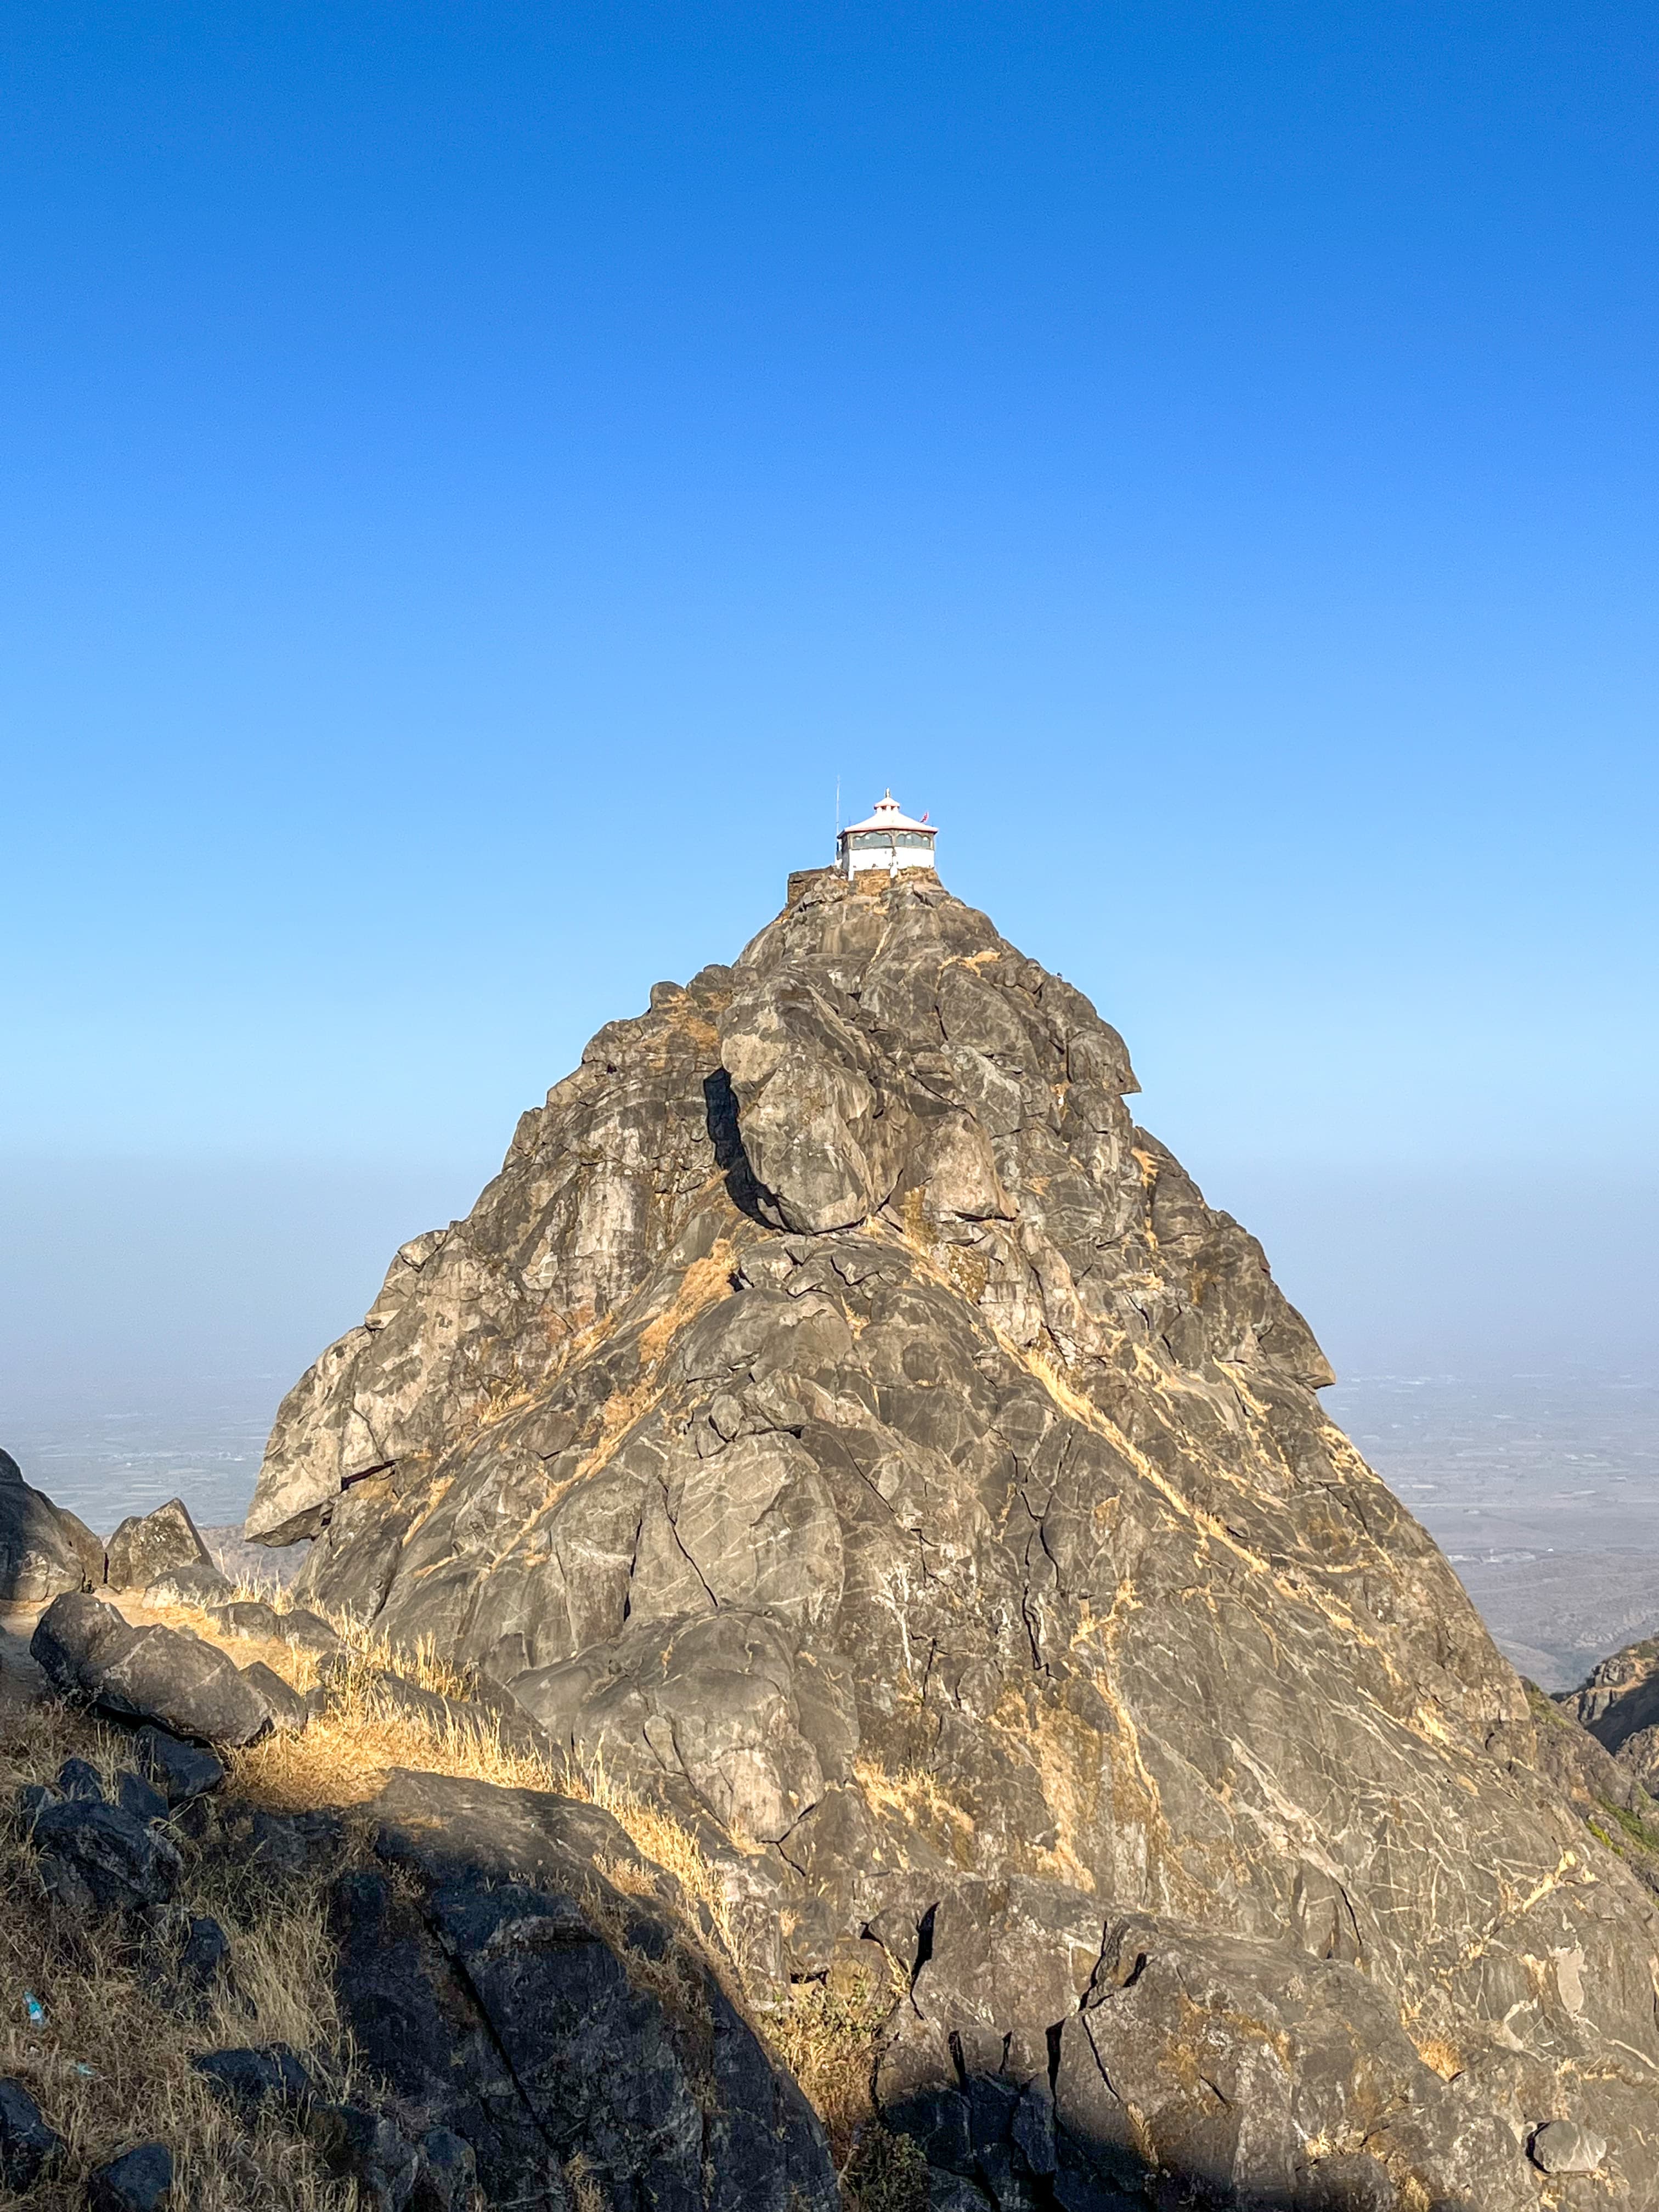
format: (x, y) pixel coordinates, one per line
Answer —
(474, 476)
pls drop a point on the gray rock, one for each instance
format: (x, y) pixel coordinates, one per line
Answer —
(181, 1771)
(252, 2078)
(204, 1955)
(44, 1549)
(140, 1798)
(289, 1713)
(191, 1584)
(247, 1617)
(72, 1637)
(282, 1846)
(253, 1617)
(145, 1547)
(447, 2174)
(368, 2149)
(841, 1423)
(184, 1686)
(27, 2146)
(1561, 2147)
(76, 1778)
(139, 2180)
(96, 1858)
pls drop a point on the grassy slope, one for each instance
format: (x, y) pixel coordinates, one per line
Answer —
(110, 2065)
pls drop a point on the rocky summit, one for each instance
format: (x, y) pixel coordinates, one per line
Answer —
(841, 1423)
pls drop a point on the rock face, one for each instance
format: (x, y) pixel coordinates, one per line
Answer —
(1619, 1703)
(840, 1419)
(44, 1549)
(549, 2018)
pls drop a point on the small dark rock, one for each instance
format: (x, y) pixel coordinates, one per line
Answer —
(937, 2190)
(96, 1857)
(190, 1584)
(367, 2148)
(289, 1713)
(140, 1798)
(251, 2078)
(181, 1771)
(30, 1801)
(285, 1843)
(139, 2180)
(28, 2145)
(144, 1548)
(76, 1778)
(205, 1955)
(447, 2175)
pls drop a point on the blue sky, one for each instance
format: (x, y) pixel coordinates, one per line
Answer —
(472, 479)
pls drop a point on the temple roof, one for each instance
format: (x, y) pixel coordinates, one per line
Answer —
(889, 816)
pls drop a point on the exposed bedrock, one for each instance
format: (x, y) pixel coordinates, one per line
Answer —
(840, 1419)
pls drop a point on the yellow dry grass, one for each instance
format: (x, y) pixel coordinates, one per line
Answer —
(824, 2031)
(109, 2062)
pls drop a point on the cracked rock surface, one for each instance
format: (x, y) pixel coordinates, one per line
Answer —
(840, 1419)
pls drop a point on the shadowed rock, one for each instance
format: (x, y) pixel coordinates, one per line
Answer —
(96, 1857)
(139, 2180)
(250, 2079)
(44, 1549)
(28, 2145)
(181, 1771)
(507, 1986)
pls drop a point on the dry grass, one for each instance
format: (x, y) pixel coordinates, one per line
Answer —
(108, 2061)
(585, 2192)
(824, 2031)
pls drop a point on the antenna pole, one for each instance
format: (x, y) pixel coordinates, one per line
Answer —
(837, 807)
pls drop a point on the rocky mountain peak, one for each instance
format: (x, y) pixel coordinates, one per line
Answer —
(838, 1420)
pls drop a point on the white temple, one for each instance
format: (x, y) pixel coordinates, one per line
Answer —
(888, 839)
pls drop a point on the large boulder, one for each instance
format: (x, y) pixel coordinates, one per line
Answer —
(146, 1547)
(86, 1649)
(44, 1549)
(840, 1424)
(524, 1982)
